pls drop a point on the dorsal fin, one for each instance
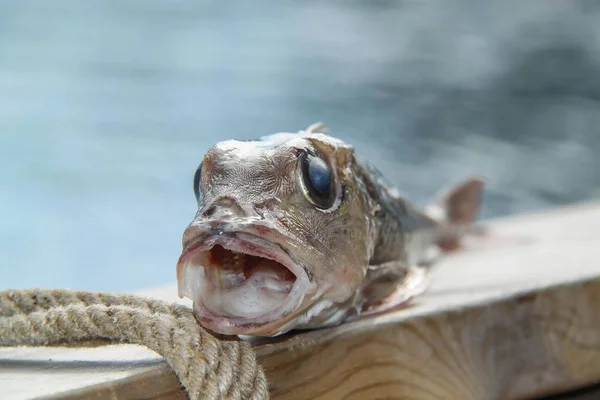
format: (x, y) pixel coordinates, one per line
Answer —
(317, 127)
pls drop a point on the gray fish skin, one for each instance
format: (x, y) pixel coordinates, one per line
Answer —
(268, 252)
(403, 232)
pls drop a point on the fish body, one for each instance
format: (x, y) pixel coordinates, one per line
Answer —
(296, 231)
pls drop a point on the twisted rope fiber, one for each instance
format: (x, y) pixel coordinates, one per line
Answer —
(207, 367)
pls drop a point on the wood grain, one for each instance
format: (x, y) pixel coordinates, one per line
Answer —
(514, 316)
(530, 345)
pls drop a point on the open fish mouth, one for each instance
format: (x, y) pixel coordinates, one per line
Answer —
(240, 283)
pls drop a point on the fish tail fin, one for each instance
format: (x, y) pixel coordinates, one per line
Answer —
(456, 210)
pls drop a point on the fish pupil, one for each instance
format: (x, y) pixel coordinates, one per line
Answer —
(319, 175)
(316, 180)
(197, 177)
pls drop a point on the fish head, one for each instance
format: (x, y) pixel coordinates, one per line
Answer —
(281, 227)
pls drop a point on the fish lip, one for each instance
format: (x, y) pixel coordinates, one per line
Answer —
(249, 240)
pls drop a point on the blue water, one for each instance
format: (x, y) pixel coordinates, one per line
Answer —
(106, 108)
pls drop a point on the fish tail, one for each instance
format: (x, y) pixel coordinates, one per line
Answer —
(456, 210)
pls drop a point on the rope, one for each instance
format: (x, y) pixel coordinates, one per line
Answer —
(207, 367)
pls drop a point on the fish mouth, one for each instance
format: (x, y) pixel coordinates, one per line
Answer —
(240, 283)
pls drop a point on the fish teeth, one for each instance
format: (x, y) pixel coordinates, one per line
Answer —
(275, 285)
(193, 279)
(239, 259)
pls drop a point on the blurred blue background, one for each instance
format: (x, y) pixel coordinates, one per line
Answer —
(107, 107)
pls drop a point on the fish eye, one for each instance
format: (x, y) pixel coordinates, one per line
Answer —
(197, 177)
(316, 179)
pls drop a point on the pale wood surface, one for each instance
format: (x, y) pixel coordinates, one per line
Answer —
(513, 316)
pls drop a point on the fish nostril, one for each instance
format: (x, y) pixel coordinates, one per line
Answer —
(209, 211)
(222, 207)
(268, 206)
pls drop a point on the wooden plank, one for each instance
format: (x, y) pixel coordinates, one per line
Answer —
(587, 393)
(514, 316)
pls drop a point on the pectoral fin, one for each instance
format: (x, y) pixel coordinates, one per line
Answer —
(389, 287)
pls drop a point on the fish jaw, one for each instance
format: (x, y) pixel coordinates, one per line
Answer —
(241, 283)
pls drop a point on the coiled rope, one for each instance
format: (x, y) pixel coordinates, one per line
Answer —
(207, 367)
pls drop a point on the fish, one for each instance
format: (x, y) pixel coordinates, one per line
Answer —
(296, 231)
